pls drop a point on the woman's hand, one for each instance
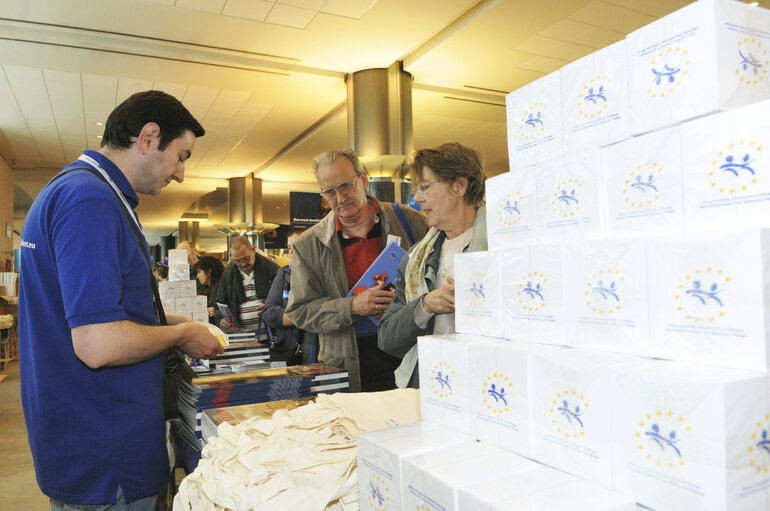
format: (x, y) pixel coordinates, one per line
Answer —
(441, 300)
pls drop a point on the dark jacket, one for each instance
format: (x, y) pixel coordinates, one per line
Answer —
(275, 307)
(211, 299)
(231, 292)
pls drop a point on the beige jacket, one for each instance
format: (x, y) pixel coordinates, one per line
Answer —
(319, 283)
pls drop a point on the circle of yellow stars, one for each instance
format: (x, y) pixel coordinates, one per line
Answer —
(439, 389)
(644, 171)
(591, 110)
(506, 219)
(423, 507)
(380, 482)
(738, 184)
(759, 465)
(711, 275)
(501, 381)
(539, 130)
(568, 185)
(473, 299)
(567, 394)
(663, 57)
(532, 304)
(656, 417)
(593, 303)
(744, 76)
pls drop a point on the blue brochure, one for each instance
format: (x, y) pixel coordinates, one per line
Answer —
(383, 269)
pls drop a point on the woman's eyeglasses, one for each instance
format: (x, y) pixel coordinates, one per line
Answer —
(424, 187)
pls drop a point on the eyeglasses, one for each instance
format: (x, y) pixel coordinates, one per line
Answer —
(344, 188)
(241, 262)
(424, 187)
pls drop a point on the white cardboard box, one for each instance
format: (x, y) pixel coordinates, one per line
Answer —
(726, 169)
(534, 122)
(704, 57)
(168, 289)
(643, 184)
(187, 288)
(570, 399)
(478, 296)
(380, 457)
(433, 480)
(168, 303)
(511, 209)
(569, 198)
(605, 295)
(708, 295)
(691, 437)
(200, 317)
(575, 496)
(489, 495)
(183, 306)
(444, 392)
(499, 397)
(594, 99)
(533, 296)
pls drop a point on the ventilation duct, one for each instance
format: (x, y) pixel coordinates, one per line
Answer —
(245, 211)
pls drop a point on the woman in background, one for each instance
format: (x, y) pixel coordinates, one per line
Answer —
(209, 270)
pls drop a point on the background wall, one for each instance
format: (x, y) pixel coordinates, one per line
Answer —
(6, 213)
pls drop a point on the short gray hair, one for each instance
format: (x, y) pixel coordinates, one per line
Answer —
(330, 155)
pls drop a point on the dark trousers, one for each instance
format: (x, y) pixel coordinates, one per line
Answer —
(376, 366)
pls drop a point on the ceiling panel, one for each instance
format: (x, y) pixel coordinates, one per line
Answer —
(554, 48)
(213, 6)
(290, 16)
(589, 35)
(256, 10)
(614, 17)
(314, 5)
(348, 8)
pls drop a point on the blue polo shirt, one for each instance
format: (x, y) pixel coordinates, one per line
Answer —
(89, 430)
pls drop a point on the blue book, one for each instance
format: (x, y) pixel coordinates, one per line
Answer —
(383, 269)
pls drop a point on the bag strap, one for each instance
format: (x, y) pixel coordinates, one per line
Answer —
(400, 215)
(159, 312)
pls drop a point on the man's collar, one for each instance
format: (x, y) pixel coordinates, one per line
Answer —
(371, 200)
(115, 174)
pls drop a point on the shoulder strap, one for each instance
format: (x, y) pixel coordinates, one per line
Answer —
(153, 283)
(400, 215)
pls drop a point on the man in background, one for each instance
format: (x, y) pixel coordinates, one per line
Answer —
(92, 351)
(192, 259)
(244, 285)
(330, 258)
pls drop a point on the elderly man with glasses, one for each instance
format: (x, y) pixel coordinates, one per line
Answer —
(330, 258)
(244, 285)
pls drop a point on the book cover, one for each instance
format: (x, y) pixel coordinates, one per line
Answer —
(228, 314)
(384, 269)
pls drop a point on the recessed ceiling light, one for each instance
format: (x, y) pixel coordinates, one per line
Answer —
(98, 136)
(100, 124)
(753, 4)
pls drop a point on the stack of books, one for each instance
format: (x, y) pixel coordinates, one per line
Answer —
(222, 390)
(213, 417)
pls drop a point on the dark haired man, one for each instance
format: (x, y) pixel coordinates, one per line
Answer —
(92, 350)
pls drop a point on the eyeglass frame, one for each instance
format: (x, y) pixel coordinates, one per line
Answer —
(424, 187)
(332, 191)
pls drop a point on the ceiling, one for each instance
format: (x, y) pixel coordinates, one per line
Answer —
(266, 78)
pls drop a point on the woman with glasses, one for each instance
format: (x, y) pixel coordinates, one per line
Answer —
(449, 186)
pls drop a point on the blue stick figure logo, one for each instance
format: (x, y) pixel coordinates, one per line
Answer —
(759, 446)
(509, 211)
(698, 295)
(566, 198)
(641, 186)
(593, 97)
(668, 68)
(530, 292)
(378, 493)
(592, 102)
(603, 291)
(496, 392)
(441, 379)
(659, 436)
(731, 171)
(533, 122)
(567, 414)
(752, 61)
(477, 289)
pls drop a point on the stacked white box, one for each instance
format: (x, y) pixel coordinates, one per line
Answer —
(534, 122)
(533, 301)
(605, 295)
(511, 209)
(444, 393)
(478, 296)
(704, 57)
(178, 268)
(499, 392)
(726, 169)
(187, 288)
(570, 399)
(433, 480)
(708, 297)
(594, 99)
(381, 454)
(643, 184)
(168, 289)
(569, 198)
(489, 495)
(691, 437)
(199, 309)
(575, 496)
(183, 306)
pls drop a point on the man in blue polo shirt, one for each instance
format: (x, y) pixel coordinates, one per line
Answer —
(91, 348)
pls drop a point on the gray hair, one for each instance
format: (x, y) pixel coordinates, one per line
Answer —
(330, 155)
